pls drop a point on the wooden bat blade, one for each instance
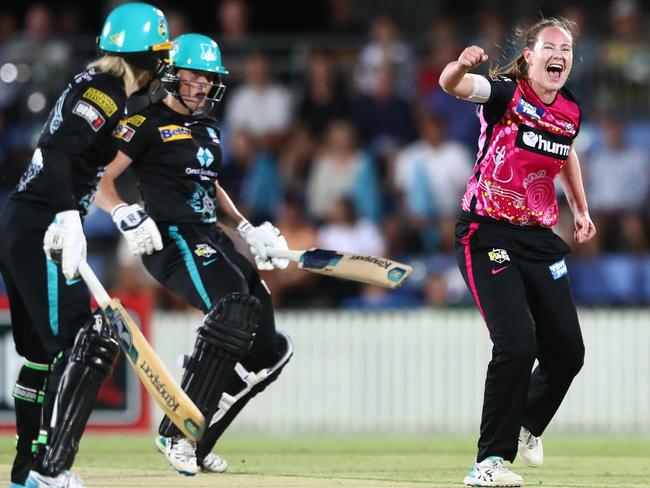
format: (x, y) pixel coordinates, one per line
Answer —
(356, 267)
(154, 375)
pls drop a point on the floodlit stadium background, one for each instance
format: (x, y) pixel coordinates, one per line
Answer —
(361, 151)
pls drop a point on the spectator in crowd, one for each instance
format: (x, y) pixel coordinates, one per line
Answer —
(384, 120)
(341, 170)
(294, 286)
(345, 231)
(234, 38)
(431, 174)
(260, 106)
(442, 45)
(295, 159)
(618, 180)
(386, 48)
(324, 97)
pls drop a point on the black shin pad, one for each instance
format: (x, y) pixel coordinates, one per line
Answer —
(90, 361)
(231, 404)
(28, 398)
(224, 338)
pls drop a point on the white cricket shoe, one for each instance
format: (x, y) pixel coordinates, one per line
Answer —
(213, 464)
(530, 449)
(180, 453)
(210, 464)
(492, 472)
(64, 480)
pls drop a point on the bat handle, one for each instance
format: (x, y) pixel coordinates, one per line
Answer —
(274, 252)
(95, 287)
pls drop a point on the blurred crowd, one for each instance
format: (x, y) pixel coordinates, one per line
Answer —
(344, 140)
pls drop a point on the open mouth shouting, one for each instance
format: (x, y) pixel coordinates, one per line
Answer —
(555, 70)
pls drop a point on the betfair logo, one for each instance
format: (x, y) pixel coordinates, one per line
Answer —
(170, 133)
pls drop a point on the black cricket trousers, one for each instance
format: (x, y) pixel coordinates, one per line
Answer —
(519, 280)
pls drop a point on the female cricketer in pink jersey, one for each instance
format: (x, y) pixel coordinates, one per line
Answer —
(510, 258)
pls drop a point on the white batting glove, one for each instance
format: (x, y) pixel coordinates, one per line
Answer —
(139, 230)
(64, 242)
(261, 238)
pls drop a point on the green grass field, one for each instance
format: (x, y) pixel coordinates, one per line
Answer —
(131, 461)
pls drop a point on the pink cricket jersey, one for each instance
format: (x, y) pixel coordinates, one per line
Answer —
(523, 145)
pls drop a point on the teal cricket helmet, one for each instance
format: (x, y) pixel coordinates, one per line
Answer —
(197, 52)
(134, 28)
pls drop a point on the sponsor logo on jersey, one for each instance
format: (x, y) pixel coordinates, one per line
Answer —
(498, 255)
(170, 133)
(204, 251)
(123, 131)
(102, 100)
(530, 110)
(558, 270)
(208, 52)
(90, 114)
(204, 157)
(538, 141)
(136, 120)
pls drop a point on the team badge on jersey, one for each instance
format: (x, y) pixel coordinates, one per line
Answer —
(170, 133)
(136, 120)
(123, 131)
(90, 114)
(530, 110)
(498, 255)
(204, 251)
(101, 99)
(213, 135)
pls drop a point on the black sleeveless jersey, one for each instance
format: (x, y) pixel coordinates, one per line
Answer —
(176, 159)
(75, 144)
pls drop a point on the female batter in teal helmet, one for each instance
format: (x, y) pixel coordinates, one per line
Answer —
(174, 149)
(134, 43)
(51, 308)
(194, 74)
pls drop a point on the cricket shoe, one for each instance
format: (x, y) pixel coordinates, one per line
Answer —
(210, 464)
(180, 453)
(492, 472)
(213, 464)
(530, 449)
(64, 480)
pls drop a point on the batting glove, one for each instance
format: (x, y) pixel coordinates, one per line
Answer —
(64, 242)
(261, 238)
(139, 230)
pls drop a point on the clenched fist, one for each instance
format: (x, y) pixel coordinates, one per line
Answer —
(472, 56)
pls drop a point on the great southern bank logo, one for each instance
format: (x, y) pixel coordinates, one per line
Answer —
(205, 157)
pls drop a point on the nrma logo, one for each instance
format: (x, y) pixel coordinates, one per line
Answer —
(525, 108)
(556, 146)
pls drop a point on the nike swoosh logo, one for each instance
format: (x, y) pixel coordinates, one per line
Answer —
(498, 270)
(205, 263)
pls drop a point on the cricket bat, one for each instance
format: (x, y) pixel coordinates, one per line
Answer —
(348, 265)
(146, 363)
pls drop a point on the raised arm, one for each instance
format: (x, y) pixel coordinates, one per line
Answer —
(456, 80)
(571, 179)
